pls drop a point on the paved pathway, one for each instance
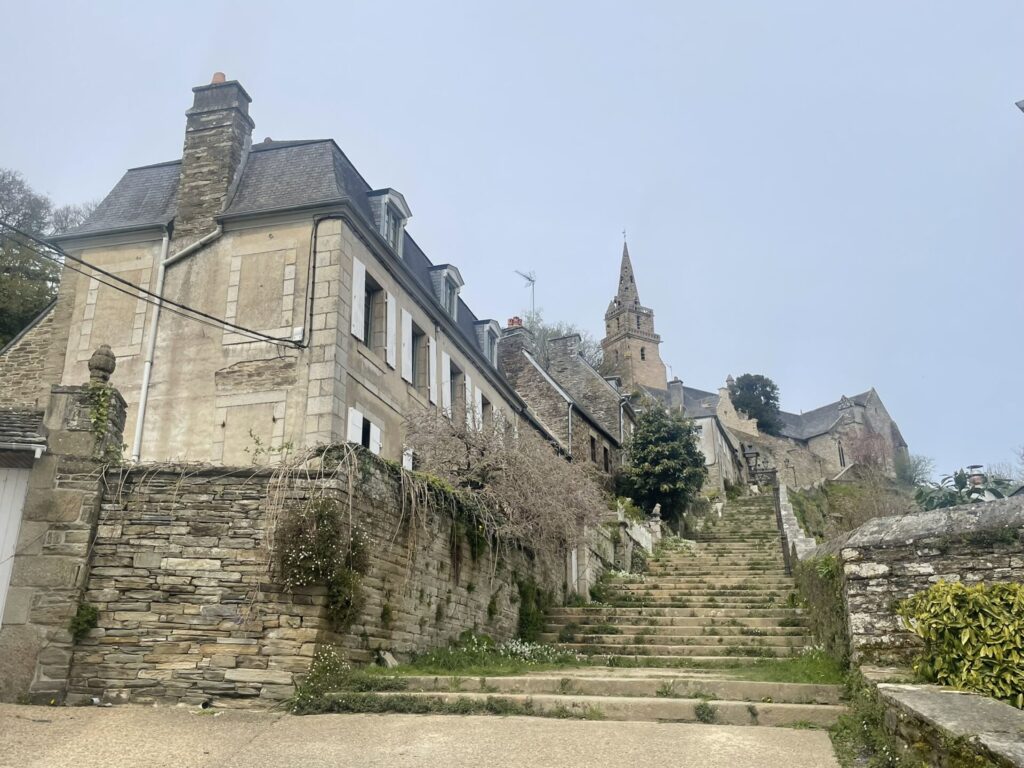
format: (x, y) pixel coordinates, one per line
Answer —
(137, 737)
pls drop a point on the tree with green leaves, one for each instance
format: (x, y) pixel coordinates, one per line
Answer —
(758, 397)
(664, 462)
(28, 282)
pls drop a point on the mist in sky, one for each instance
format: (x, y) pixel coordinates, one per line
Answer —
(829, 194)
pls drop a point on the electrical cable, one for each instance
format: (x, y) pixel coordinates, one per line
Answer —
(140, 292)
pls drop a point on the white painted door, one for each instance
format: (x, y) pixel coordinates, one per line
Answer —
(13, 486)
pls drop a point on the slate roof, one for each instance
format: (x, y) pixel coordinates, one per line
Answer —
(804, 426)
(277, 175)
(799, 426)
(144, 197)
(22, 427)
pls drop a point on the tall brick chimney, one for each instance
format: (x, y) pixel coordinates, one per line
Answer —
(218, 133)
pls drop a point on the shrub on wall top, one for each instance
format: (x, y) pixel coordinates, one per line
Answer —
(973, 637)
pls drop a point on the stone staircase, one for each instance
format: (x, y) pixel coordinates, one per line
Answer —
(676, 640)
(701, 611)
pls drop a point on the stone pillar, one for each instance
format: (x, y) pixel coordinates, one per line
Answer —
(51, 563)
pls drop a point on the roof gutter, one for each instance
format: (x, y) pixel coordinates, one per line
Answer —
(35, 448)
(154, 323)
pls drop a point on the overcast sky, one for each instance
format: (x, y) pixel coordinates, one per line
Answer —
(830, 194)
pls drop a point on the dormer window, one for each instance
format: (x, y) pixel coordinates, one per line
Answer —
(392, 226)
(492, 347)
(450, 297)
(487, 333)
(447, 283)
(390, 213)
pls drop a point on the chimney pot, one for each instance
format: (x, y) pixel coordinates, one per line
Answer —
(515, 322)
(218, 77)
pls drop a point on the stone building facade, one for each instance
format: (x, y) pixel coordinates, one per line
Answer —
(584, 413)
(323, 320)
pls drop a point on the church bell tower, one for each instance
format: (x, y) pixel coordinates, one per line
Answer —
(631, 347)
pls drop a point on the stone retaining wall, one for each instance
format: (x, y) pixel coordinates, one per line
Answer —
(891, 558)
(189, 609)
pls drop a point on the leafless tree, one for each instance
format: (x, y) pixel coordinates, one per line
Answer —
(524, 492)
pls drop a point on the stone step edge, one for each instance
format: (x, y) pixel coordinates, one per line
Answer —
(757, 690)
(642, 709)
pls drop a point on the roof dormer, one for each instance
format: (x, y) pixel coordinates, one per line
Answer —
(447, 282)
(390, 214)
(487, 334)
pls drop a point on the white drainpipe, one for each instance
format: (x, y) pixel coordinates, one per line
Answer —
(154, 322)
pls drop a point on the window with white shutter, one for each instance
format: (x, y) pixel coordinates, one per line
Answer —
(358, 299)
(431, 370)
(392, 330)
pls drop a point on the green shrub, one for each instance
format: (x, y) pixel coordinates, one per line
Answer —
(973, 637)
(85, 618)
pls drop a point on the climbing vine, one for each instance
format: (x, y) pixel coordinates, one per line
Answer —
(100, 398)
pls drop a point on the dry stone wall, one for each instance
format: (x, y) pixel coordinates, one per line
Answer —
(189, 610)
(890, 558)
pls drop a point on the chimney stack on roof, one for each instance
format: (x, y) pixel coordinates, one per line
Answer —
(218, 133)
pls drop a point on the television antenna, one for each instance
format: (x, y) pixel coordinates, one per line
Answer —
(531, 281)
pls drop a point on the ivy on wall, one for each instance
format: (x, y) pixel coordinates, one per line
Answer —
(820, 584)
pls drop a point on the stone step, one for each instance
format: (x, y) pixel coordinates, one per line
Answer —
(705, 649)
(643, 683)
(705, 630)
(697, 638)
(738, 582)
(672, 611)
(768, 624)
(629, 708)
(695, 600)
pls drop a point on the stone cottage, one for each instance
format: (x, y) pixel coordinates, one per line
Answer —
(297, 308)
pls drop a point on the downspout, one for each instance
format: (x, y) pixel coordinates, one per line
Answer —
(570, 431)
(154, 322)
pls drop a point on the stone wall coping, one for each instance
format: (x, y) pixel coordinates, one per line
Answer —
(195, 470)
(997, 727)
(904, 530)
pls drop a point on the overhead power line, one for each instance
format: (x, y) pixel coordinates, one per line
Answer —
(47, 251)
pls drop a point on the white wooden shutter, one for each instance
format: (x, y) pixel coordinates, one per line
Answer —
(407, 346)
(407, 458)
(432, 369)
(478, 408)
(374, 439)
(355, 426)
(392, 330)
(358, 298)
(446, 384)
(469, 400)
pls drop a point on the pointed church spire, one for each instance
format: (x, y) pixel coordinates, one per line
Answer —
(627, 293)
